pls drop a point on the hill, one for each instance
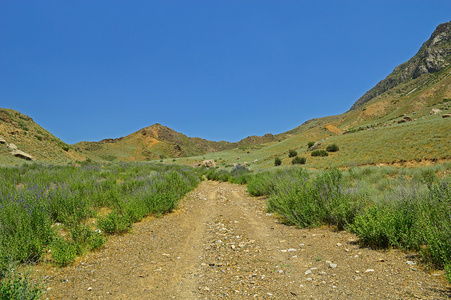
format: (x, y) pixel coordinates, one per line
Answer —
(20, 130)
(402, 119)
(158, 142)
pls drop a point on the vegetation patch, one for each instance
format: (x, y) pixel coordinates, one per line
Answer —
(319, 153)
(48, 207)
(298, 160)
(292, 153)
(332, 148)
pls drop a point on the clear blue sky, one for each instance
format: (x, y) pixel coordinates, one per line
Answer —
(220, 70)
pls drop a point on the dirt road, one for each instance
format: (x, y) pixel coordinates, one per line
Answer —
(221, 243)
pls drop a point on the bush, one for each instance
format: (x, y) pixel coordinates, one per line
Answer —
(332, 148)
(63, 252)
(310, 144)
(312, 202)
(114, 223)
(292, 153)
(320, 153)
(298, 160)
(277, 161)
(15, 286)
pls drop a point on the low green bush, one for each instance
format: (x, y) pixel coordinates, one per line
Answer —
(292, 153)
(277, 161)
(239, 174)
(319, 153)
(18, 286)
(332, 148)
(114, 223)
(311, 202)
(63, 252)
(298, 160)
(310, 144)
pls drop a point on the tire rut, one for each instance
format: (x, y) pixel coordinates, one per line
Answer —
(221, 243)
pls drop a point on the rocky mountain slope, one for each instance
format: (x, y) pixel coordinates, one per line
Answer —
(414, 87)
(433, 56)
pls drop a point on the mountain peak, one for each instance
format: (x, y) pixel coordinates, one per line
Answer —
(434, 55)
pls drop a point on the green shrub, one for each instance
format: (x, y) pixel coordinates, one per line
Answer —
(309, 202)
(114, 223)
(310, 144)
(298, 160)
(319, 153)
(63, 252)
(97, 241)
(277, 161)
(332, 148)
(17, 286)
(292, 153)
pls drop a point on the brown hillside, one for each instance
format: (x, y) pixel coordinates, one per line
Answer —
(20, 130)
(158, 141)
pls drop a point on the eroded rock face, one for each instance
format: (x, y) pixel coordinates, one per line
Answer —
(405, 119)
(11, 146)
(21, 154)
(434, 55)
(2, 140)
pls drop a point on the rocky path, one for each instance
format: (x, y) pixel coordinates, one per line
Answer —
(221, 243)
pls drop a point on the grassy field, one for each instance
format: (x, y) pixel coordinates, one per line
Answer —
(424, 139)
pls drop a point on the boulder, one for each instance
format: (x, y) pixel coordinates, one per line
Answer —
(405, 119)
(21, 154)
(446, 116)
(2, 140)
(435, 111)
(11, 146)
(206, 163)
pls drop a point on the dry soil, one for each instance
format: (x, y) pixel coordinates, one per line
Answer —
(221, 243)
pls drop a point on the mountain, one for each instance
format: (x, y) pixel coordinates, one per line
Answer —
(405, 118)
(157, 142)
(21, 131)
(432, 57)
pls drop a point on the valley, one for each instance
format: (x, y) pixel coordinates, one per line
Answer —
(350, 206)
